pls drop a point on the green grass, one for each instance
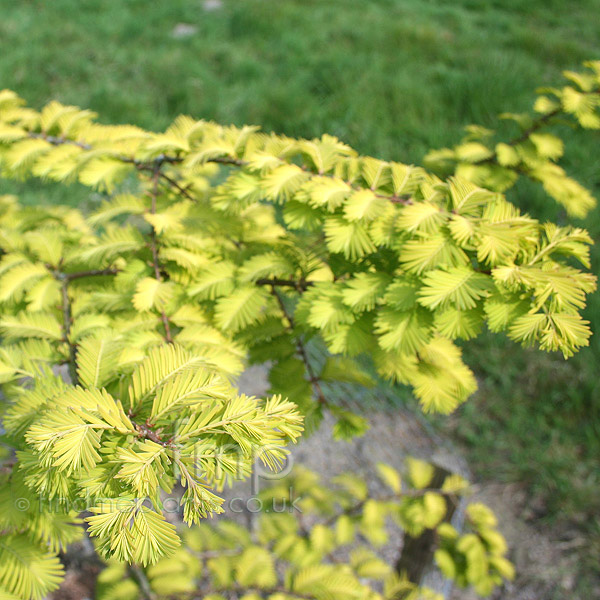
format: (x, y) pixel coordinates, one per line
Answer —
(536, 420)
(535, 417)
(393, 78)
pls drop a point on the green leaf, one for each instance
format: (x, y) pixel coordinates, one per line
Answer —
(441, 380)
(422, 216)
(507, 155)
(322, 307)
(214, 281)
(283, 182)
(406, 331)
(122, 204)
(340, 368)
(116, 241)
(434, 251)
(348, 238)
(241, 308)
(256, 568)
(269, 264)
(71, 436)
(456, 323)
(152, 293)
(352, 484)
(547, 145)
(458, 286)
(406, 178)
(191, 388)
(143, 466)
(298, 215)
(527, 328)
(420, 473)
(390, 477)
(20, 279)
(41, 325)
(168, 220)
(27, 571)
(364, 205)
(467, 197)
(363, 290)
(130, 531)
(446, 563)
(348, 425)
(44, 295)
(104, 173)
(326, 192)
(162, 365)
(435, 509)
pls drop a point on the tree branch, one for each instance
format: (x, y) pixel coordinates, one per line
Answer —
(154, 245)
(91, 273)
(537, 124)
(58, 141)
(146, 432)
(65, 279)
(222, 160)
(139, 576)
(66, 308)
(301, 349)
(300, 285)
(173, 183)
(413, 493)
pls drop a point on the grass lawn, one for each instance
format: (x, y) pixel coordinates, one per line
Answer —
(391, 77)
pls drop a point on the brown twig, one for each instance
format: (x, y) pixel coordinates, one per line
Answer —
(522, 137)
(146, 432)
(173, 183)
(139, 576)
(538, 124)
(222, 160)
(65, 279)
(300, 285)
(58, 141)
(154, 245)
(66, 308)
(91, 273)
(301, 349)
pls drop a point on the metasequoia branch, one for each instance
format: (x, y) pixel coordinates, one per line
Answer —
(66, 309)
(154, 246)
(355, 508)
(301, 349)
(300, 285)
(524, 136)
(151, 165)
(91, 273)
(65, 279)
(140, 577)
(537, 124)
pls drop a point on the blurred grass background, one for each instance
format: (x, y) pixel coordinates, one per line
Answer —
(393, 78)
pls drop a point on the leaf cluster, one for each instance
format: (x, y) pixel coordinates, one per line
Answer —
(536, 150)
(123, 330)
(324, 541)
